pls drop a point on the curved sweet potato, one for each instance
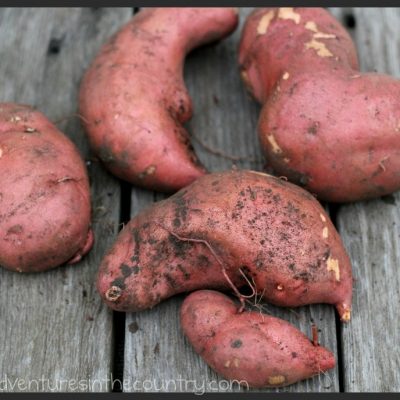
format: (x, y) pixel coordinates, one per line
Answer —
(230, 224)
(255, 349)
(44, 193)
(323, 124)
(134, 100)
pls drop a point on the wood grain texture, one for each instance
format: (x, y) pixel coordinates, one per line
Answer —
(157, 355)
(55, 334)
(54, 326)
(371, 231)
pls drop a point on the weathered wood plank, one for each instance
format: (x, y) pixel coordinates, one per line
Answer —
(371, 230)
(53, 324)
(225, 119)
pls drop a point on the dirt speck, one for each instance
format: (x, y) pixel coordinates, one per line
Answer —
(236, 344)
(133, 327)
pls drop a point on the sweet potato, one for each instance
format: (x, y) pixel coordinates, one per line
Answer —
(323, 124)
(44, 193)
(221, 231)
(255, 349)
(134, 101)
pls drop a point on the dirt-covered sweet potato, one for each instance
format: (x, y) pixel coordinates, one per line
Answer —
(256, 349)
(323, 124)
(134, 101)
(227, 230)
(44, 193)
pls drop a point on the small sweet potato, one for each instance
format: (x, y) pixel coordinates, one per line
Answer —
(44, 193)
(227, 230)
(134, 101)
(255, 349)
(323, 124)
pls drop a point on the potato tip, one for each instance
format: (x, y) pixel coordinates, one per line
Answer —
(114, 293)
(344, 312)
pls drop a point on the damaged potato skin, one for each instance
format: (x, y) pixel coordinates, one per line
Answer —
(323, 124)
(256, 349)
(44, 194)
(134, 101)
(276, 233)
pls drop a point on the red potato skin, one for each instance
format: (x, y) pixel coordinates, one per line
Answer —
(44, 194)
(323, 124)
(275, 232)
(134, 101)
(254, 349)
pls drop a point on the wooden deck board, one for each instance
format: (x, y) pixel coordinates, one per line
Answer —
(225, 119)
(53, 324)
(371, 232)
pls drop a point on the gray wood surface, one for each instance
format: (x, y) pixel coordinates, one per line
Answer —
(371, 231)
(157, 356)
(53, 324)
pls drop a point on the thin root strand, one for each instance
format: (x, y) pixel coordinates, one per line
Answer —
(240, 296)
(314, 330)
